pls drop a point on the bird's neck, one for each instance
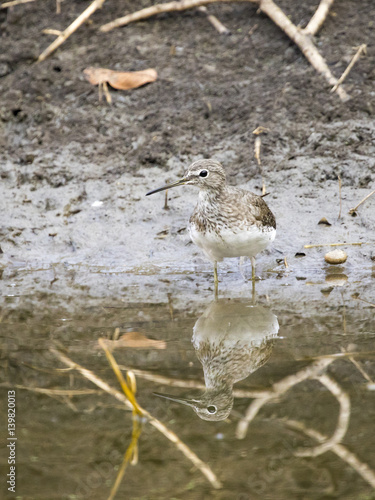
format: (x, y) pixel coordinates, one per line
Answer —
(209, 197)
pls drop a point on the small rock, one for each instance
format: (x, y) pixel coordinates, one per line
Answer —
(335, 257)
(323, 221)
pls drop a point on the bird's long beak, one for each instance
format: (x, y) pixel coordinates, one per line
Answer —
(169, 186)
(183, 401)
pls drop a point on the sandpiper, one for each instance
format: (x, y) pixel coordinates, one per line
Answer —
(227, 221)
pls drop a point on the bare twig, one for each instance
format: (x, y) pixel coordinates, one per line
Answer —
(303, 41)
(316, 22)
(335, 245)
(52, 32)
(279, 388)
(197, 462)
(218, 25)
(176, 6)
(342, 423)
(340, 450)
(361, 48)
(96, 4)
(267, 6)
(353, 210)
(14, 2)
(340, 185)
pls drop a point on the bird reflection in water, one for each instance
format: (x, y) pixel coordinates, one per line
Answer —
(232, 340)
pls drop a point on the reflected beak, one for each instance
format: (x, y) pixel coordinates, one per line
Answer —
(181, 182)
(183, 401)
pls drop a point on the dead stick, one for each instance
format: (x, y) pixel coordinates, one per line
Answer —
(335, 245)
(316, 22)
(96, 4)
(304, 42)
(176, 6)
(14, 2)
(361, 48)
(218, 25)
(353, 210)
(340, 185)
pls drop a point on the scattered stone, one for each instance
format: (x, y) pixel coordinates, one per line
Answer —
(335, 257)
(300, 254)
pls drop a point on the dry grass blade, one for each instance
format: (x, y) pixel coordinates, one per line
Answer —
(190, 455)
(124, 386)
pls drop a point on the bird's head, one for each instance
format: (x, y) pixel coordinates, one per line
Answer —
(206, 174)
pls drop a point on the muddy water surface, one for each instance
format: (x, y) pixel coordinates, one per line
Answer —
(220, 355)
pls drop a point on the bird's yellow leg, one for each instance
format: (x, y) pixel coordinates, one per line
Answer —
(253, 268)
(215, 277)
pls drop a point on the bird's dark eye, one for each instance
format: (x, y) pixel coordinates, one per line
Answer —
(203, 173)
(211, 409)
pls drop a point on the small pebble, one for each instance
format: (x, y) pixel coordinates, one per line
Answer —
(335, 257)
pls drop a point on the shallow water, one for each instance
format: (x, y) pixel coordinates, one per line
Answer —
(214, 353)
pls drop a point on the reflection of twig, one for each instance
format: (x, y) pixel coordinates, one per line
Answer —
(54, 392)
(361, 48)
(189, 384)
(353, 210)
(318, 18)
(340, 450)
(279, 388)
(197, 462)
(342, 423)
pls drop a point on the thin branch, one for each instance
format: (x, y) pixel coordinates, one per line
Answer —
(96, 4)
(176, 6)
(353, 210)
(304, 43)
(361, 48)
(197, 462)
(14, 2)
(316, 22)
(218, 25)
(342, 423)
(340, 450)
(336, 244)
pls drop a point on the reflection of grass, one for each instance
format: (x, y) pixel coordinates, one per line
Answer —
(129, 388)
(127, 397)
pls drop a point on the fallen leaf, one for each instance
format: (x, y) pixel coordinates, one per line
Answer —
(121, 80)
(135, 340)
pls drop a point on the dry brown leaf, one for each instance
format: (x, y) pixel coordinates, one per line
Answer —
(121, 80)
(135, 340)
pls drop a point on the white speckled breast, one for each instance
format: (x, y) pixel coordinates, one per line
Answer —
(246, 242)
